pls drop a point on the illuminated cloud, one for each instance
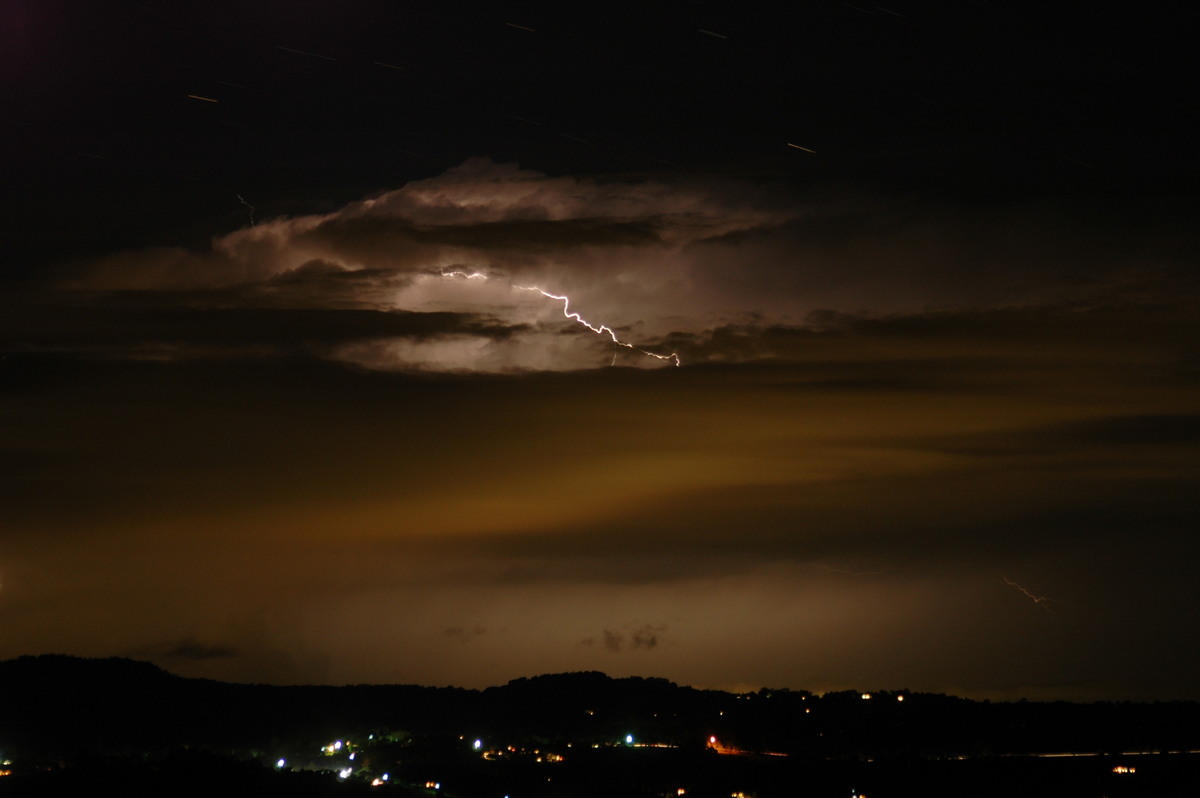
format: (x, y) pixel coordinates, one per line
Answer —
(616, 248)
(491, 216)
(716, 270)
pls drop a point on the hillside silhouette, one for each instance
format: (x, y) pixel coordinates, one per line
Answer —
(69, 724)
(61, 704)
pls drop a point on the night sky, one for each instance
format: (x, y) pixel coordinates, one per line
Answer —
(885, 371)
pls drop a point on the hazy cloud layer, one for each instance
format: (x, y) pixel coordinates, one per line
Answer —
(326, 450)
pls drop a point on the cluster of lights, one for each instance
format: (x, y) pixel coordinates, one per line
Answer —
(337, 747)
(347, 771)
(477, 744)
(493, 754)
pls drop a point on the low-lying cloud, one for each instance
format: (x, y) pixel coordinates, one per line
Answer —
(630, 638)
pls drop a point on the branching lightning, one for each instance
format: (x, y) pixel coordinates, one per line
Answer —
(601, 329)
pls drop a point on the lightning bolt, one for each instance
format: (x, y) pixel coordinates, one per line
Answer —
(599, 329)
(602, 329)
(248, 205)
(1035, 598)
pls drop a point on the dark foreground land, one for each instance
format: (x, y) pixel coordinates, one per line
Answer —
(71, 726)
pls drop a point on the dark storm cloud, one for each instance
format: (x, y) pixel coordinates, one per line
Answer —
(1119, 436)
(131, 324)
(363, 235)
(858, 253)
(960, 344)
(319, 283)
(479, 210)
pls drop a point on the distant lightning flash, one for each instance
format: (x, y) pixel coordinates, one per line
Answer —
(602, 329)
(1035, 598)
(248, 205)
